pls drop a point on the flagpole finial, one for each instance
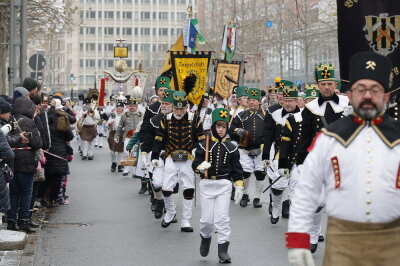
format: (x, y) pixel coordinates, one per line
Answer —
(190, 11)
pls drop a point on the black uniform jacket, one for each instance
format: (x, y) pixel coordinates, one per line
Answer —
(253, 122)
(223, 157)
(176, 135)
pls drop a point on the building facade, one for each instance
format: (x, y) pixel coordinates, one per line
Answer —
(79, 57)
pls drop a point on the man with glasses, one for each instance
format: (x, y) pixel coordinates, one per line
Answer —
(356, 161)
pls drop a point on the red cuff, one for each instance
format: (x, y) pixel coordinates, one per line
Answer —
(297, 240)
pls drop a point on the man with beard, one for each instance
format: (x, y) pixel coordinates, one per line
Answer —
(178, 135)
(273, 125)
(356, 161)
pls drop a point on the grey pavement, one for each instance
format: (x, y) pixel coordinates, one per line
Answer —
(108, 223)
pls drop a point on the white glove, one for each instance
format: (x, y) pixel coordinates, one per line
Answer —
(144, 157)
(238, 194)
(266, 163)
(194, 108)
(135, 148)
(239, 132)
(154, 163)
(283, 172)
(300, 257)
(203, 166)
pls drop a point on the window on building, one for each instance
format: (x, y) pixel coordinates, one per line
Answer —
(91, 63)
(181, 2)
(90, 47)
(154, 32)
(129, 63)
(144, 15)
(99, 14)
(81, 14)
(108, 14)
(81, 62)
(100, 62)
(128, 1)
(163, 47)
(136, 32)
(163, 1)
(108, 47)
(109, 63)
(163, 15)
(172, 15)
(81, 45)
(127, 15)
(145, 1)
(118, 15)
(180, 15)
(129, 45)
(90, 14)
(154, 15)
(172, 31)
(126, 31)
(108, 31)
(136, 47)
(91, 30)
(108, 1)
(163, 31)
(145, 47)
(145, 31)
(99, 47)
(117, 30)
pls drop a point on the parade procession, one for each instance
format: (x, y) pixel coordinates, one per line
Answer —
(200, 132)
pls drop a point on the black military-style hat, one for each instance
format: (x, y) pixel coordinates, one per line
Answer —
(87, 100)
(370, 65)
(81, 97)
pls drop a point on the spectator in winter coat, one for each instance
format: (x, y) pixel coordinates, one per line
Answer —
(6, 157)
(25, 165)
(56, 166)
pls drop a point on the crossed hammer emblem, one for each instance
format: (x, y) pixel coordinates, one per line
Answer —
(370, 64)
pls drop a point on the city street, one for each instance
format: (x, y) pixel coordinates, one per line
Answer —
(108, 223)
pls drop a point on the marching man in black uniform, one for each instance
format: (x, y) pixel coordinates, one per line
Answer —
(248, 130)
(273, 126)
(150, 132)
(218, 163)
(356, 161)
(178, 135)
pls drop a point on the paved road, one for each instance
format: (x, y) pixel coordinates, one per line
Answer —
(108, 223)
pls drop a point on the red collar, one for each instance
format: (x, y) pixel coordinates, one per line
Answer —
(376, 121)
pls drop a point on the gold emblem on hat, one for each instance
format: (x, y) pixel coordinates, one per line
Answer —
(166, 94)
(370, 64)
(223, 114)
(326, 74)
(254, 93)
(162, 81)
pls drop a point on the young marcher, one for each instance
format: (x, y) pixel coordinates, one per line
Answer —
(222, 166)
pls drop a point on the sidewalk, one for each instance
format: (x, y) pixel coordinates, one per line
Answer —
(18, 248)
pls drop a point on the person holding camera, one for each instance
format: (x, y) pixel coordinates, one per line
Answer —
(25, 164)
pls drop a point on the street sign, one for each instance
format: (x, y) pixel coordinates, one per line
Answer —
(268, 24)
(37, 75)
(298, 82)
(37, 62)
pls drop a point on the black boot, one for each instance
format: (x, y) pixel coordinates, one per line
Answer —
(205, 246)
(223, 253)
(150, 189)
(164, 224)
(113, 167)
(274, 220)
(321, 238)
(257, 203)
(313, 247)
(158, 208)
(24, 226)
(120, 168)
(12, 225)
(285, 209)
(143, 189)
(244, 200)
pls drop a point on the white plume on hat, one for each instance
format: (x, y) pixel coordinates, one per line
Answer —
(137, 92)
